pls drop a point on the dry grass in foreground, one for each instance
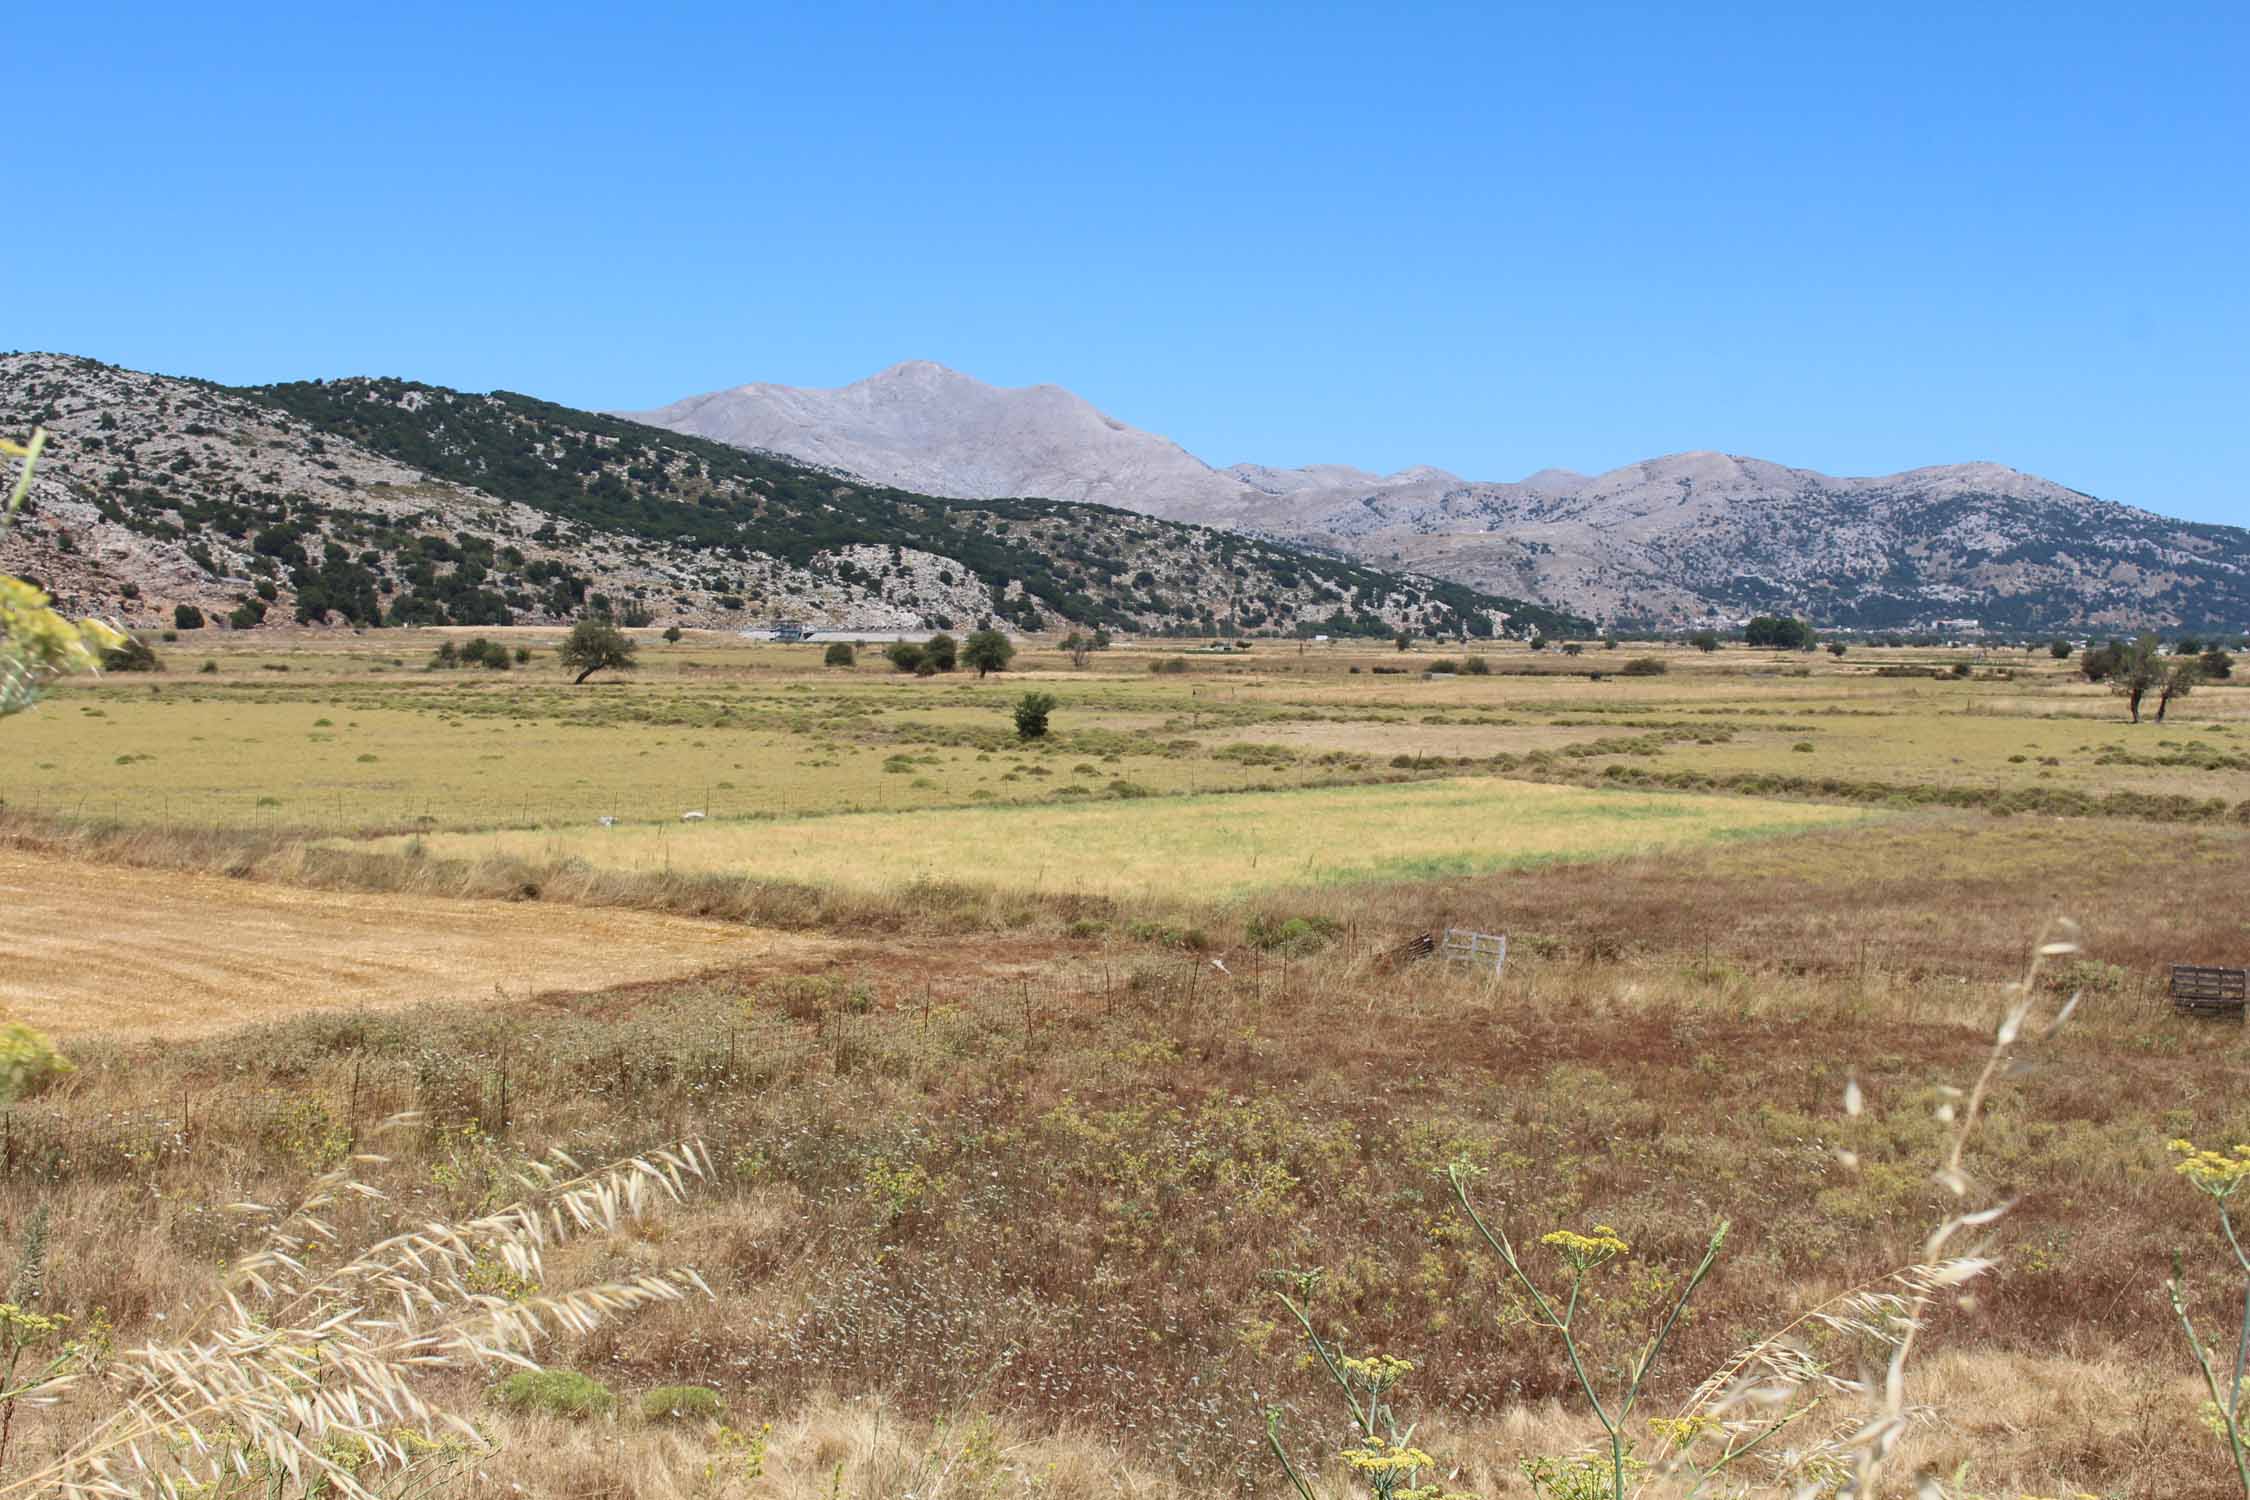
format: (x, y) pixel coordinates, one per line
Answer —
(1046, 1213)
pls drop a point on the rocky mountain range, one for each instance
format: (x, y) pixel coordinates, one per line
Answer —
(1670, 542)
(365, 501)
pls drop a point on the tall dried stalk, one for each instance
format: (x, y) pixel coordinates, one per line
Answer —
(1892, 1312)
(288, 1367)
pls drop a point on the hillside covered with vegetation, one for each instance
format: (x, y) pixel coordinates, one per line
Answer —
(1040, 559)
(182, 504)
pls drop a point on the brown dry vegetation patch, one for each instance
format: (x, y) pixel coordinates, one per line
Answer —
(1939, 894)
(1059, 1192)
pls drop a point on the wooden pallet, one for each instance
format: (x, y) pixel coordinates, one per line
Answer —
(2207, 990)
(1421, 945)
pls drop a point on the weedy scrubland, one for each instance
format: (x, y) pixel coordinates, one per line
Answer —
(1845, 1428)
(1056, 1204)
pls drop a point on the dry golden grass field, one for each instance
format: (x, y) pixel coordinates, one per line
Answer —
(92, 948)
(1030, 1073)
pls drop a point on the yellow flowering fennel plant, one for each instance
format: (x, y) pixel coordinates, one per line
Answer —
(1582, 1255)
(37, 644)
(2218, 1175)
(1384, 1457)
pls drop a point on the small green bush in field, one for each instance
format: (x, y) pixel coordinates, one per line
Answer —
(682, 1403)
(1031, 715)
(27, 1061)
(555, 1393)
(1290, 935)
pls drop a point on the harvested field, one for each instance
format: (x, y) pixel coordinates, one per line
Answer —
(98, 948)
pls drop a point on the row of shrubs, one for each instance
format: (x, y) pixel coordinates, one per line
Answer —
(488, 654)
(2059, 802)
(1537, 760)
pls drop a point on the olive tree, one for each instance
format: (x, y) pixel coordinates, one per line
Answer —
(2135, 671)
(988, 651)
(596, 645)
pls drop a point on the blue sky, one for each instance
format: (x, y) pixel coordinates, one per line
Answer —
(1493, 238)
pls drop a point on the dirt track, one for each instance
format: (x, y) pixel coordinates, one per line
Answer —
(87, 947)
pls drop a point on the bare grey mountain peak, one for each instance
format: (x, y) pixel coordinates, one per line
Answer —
(922, 426)
(1669, 540)
(1555, 482)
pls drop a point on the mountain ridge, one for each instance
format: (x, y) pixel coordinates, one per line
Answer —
(361, 501)
(1670, 541)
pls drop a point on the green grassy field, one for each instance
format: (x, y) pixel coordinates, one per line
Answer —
(1213, 846)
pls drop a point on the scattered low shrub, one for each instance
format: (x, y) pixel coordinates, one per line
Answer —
(133, 654)
(569, 1394)
(682, 1403)
(1290, 934)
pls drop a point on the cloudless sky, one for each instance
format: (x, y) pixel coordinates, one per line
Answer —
(1857, 238)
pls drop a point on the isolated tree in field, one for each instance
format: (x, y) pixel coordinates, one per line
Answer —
(1402, 640)
(2180, 679)
(1837, 648)
(2137, 671)
(839, 655)
(988, 651)
(2218, 666)
(904, 655)
(2096, 663)
(1031, 715)
(1778, 633)
(672, 635)
(1079, 647)
(2059, 649)
(1704, 640)
(186, 617)
(941, 653)
(595, 645)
